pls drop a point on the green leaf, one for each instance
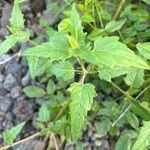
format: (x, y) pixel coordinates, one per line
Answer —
(107, 73)
(34, 91)
(112, 53)
(132, 120)
(56, 49)
(103, 127)
(43, 114)
(82, 98)
(77, 29)
(18, 1)
(135, 78)
(63, 70)
(50, 87)
(11, 134)
(114, 25)
(147, 1)
(65, 25)
(7, 44)
(17, 19)
(144, 49)
(87, 18)
(37, 65)
(124, 143)
(143, 139)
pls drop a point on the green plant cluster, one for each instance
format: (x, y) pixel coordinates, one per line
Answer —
(90, 47)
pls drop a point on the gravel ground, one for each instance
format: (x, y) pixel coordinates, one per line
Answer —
(15, 107)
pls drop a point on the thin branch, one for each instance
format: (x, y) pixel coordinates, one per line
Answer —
(10, 58)
(128, 108)
(118, 9)
(55, 142)
(21, 141)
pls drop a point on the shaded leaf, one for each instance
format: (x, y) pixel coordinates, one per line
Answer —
(103, 127)
(114, 25)
(124, 143)
(144, 49)
(63, 70)
(135, 78)
(143, 139)
(37, 65)
(34, 91)
(43, 114)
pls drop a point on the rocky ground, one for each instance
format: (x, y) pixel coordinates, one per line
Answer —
(15, 107)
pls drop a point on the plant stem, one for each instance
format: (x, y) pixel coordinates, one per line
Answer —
(128, 108)
(11, 57)
(118, 9)
(21, 141)
(145, 112)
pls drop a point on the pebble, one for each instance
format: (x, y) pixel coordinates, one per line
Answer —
(13, 68)
(29, 145)
(2, 77)
(26, 79)
(2, 116)
(3, 32)
(23, 110)
(9, 82)
(5, 104)
(6, 14)
(7, 124)
(16, 92)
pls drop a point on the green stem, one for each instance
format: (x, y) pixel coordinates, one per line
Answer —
(145, 112)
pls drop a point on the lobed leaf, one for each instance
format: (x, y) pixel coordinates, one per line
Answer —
(112, 53)
(7, 44)
(17, 18)
(144, 49)
(82, 98)
(11, 134)
(135, 78)
(56, 49)
(143, 139)
(63, 70)
(37, 65)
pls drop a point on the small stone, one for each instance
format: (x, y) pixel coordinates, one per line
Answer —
(9, 116)
(16, 92)
(5, 104)
(6, 14)
(23, 110)
(4, 32)
(2, 116)
(26, 79)
(1, 139)
(29, 145)
(1, 126)
(13, 68)
(7, 124)
(1, 77)
(9, 82)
